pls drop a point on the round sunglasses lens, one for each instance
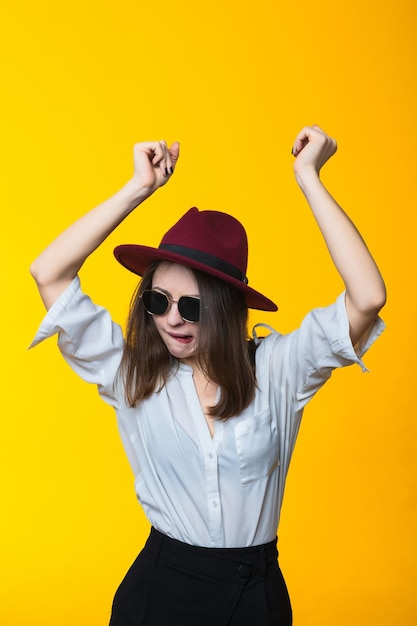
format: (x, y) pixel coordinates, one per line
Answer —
(155, 303)
(189, 308)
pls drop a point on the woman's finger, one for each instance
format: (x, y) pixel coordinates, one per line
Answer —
(305, 136)
(169, 157)
(173, 155)
(167, 160)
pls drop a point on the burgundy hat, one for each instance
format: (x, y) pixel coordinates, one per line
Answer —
(209, 241)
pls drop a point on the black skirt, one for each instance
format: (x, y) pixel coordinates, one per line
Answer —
(176, 584)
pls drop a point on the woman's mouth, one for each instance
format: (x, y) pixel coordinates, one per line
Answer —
(184, 339)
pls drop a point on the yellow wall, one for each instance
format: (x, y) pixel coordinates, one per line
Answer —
(233, 81)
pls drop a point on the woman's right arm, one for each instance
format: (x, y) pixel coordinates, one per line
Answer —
(56, 267)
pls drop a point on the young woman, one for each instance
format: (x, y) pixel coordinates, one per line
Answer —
(208, 418)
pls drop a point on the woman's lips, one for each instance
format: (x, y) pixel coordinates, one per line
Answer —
(181, 338)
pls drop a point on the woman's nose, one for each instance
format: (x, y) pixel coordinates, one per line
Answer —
(173, 315)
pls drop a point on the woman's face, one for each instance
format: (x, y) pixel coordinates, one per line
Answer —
(179, 336)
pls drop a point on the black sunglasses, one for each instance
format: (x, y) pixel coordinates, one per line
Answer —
(157, 303)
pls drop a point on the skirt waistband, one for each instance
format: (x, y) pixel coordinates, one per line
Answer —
(229, 564)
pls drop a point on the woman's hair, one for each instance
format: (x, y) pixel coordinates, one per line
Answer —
(225, 355)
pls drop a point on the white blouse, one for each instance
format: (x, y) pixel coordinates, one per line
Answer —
(225, 490)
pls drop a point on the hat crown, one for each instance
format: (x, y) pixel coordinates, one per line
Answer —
(213, 233)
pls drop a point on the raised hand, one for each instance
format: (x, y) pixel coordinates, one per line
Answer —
(365, 289)
(312, 148)
(154, 163)
(58, 264)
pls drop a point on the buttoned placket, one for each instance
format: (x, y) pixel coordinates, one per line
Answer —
(209, 447)
(210, 451)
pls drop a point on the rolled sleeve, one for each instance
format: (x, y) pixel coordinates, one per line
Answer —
(88, 339)
(304, 360)
(323, 344)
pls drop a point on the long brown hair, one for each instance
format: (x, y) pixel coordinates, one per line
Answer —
(225, 354)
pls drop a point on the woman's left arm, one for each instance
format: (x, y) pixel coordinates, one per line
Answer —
(365, 289)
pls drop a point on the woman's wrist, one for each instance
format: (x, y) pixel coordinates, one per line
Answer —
(308, 179)
(135, 193)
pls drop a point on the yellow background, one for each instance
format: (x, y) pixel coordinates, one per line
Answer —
(234, 82)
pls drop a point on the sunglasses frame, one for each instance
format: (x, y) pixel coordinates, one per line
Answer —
(170, 302)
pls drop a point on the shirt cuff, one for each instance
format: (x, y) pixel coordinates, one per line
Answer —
(48, 326)
(343, 345)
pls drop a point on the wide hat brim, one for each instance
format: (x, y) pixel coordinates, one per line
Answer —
(137, 259)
